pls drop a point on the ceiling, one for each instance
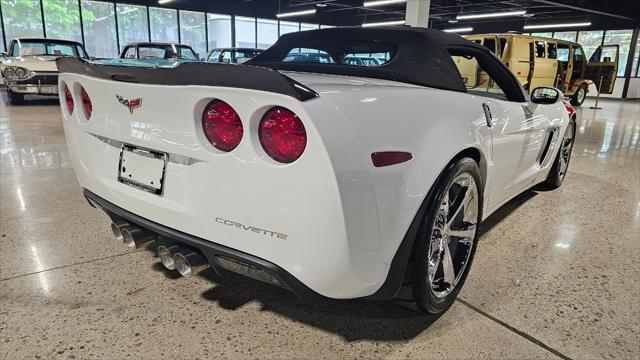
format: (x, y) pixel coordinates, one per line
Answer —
(603, 14)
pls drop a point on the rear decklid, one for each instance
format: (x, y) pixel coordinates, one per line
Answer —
(205, 74)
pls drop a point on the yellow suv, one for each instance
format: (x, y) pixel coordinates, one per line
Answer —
(539, 61)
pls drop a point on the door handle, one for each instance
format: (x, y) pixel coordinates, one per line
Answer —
(487, 114)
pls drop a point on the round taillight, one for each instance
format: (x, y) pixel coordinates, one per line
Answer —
(86, 103)
(282, 135)
(222, 126)
(68, 98)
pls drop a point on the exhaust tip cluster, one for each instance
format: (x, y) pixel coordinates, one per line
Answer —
(172, 255)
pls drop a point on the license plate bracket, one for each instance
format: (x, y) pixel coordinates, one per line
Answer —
(143, 168)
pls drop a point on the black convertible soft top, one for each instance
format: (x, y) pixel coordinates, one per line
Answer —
(421, 56)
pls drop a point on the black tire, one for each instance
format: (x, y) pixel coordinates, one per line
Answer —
(15, 98)
(422, 293)
(558, 172)
(580, 95)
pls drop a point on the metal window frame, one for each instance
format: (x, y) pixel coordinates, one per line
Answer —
(147, 7)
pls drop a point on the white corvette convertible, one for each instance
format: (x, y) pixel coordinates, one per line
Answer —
(309, 170)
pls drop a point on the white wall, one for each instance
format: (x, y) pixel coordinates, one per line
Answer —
(634, 88)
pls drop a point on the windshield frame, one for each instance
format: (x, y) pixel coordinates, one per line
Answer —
(178, 50)
(77, 48)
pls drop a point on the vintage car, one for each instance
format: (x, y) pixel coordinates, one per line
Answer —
(157, 51)
(539, 61)
(335, 181)
(232, 55)
(29, 67)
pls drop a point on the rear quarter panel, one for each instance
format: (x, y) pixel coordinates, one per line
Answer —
(433, 125)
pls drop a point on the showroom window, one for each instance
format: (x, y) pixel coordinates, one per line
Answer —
(590, 40)
(636, 59)
(288, 27)
(133, 18)
(62, 19)
(164, 25)
(192, 31)
(245, 32)
(543, 34)
(623, 39)
(2, 49)
(304, 27)
(99, 23)
(219, 31)
(267, 33)
(566, 35)
(21, 18)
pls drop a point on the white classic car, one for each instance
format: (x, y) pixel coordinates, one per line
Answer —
(333, 180)
(29, 67)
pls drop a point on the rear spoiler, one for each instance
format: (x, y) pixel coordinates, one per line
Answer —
(192, 73)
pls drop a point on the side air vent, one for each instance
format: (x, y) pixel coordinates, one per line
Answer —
(547, 145)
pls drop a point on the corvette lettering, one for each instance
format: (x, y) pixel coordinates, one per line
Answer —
(251, 228)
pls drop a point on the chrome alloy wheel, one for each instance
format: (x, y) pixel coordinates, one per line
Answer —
(582, 93)
(453, 234)
(565, 151)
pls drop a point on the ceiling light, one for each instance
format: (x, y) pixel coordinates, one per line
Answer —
(491, 15)
(384, 23)
(383, 2)
(164, 1)
(457, 30)
(296, 13)
(569, 25)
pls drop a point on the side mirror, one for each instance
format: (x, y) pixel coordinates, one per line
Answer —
(545, 95)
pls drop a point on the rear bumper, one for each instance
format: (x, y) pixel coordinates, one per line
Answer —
(211, 250)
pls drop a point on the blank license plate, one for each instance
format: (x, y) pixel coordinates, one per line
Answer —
(142, 168)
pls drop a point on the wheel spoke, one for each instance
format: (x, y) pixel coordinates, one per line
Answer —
(447, 266)
(466, 231)
(461, 204)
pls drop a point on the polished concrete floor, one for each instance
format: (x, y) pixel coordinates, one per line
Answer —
(557, 273)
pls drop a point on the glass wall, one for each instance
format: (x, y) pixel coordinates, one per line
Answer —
(219, 31)
(164, 24)
(99, 22)
(543, 34)
(590, 40)
(21, 18)
(566, 35)
(287, 27)
(245, 32)
(267, 33)
(62, 19)
(636, 59)
(623, 39)
(304, 27)
(133, 18)
(192, 31)
(2, 49)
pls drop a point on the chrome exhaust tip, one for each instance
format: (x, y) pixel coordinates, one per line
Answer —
(117, 227)
(135, 237)
(189, 263)
(165, 253)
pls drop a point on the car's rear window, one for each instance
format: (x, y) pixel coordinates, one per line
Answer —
(367, 54)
